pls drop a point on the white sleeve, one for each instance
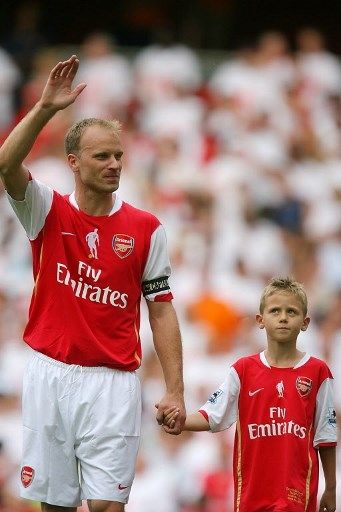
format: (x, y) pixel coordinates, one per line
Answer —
(33, 210)
(222, 406)
(157, 269)
(325, 417)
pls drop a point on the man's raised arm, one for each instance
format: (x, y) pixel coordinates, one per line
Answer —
(56, 95)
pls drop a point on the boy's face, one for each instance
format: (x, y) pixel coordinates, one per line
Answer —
(283, 317)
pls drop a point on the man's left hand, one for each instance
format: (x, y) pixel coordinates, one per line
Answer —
(167, 402)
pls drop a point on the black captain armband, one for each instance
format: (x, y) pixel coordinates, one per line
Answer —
(160, 284)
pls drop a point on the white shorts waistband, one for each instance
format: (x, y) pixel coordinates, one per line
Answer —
(86, 369)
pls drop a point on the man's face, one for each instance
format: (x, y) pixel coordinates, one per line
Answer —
(98, 163)
(283, 317)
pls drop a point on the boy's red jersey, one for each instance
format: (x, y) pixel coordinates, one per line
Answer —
(282, 416)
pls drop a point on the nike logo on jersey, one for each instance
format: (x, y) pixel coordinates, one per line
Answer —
(251, 393)
(66, 233)
(121, 487)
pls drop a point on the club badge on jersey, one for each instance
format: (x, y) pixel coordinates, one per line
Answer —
(304, 385)
(27, 476)
(123, 245)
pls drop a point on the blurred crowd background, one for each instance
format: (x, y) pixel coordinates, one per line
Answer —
(239, 154)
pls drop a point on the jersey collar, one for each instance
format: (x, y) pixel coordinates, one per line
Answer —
(304, 359)
(115, 208)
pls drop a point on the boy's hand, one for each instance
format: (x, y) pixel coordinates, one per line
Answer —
(169, 418)
(166, 403)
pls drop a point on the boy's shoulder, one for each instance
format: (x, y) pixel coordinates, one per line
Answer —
(316, 361)
(246, 361)
(320, 366)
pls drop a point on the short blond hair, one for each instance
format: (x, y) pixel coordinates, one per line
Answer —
(284, 284)
(74, 134)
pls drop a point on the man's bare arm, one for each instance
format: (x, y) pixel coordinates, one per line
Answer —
(56, 95)
(168, 346)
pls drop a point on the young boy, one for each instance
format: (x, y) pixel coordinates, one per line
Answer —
(281, 400)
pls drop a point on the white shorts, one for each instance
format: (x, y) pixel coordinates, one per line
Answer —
(81, 431)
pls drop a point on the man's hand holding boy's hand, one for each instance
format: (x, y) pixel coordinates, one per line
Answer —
(170, 416)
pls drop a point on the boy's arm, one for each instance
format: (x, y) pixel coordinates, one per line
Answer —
(196, 422)
(328, 461)
(218, 413)
(57, 95)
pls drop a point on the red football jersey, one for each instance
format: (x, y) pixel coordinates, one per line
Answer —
(89, 273)
(282, 416)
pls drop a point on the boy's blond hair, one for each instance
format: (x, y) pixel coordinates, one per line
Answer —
(284, 284)
(74, 135)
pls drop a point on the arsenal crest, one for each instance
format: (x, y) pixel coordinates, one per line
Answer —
(123, 245)
(304, 385)
(27, 475)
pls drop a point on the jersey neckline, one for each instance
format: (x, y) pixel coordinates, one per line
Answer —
(116, 207)
(300, 363)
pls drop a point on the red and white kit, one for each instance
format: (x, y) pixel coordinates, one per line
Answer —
(89, 272)
(283, 415)
(81, 395)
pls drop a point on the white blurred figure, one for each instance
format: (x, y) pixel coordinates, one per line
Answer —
(275, 60)
(263, 250)
(52, 170)
(171, 174)
(15, 258)
(330, 332)
(261, 143)
(224, 176)
(242, 78)
(313, 182)
(14, 355)
(108, 78)
(10, 77)
(224, 121)
(167, 75)
(239, 287)
(170, 470)
(164, 67)
(319, 83)
(239, 232)
(319, 70)
(180, 116)
(154, 488)
(329, 257)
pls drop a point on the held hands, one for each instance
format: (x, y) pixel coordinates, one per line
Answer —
(57, 93)
(170, 416)
(169, 419)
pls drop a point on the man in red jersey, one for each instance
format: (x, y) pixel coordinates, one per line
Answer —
(93, 257)
(282, 403)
